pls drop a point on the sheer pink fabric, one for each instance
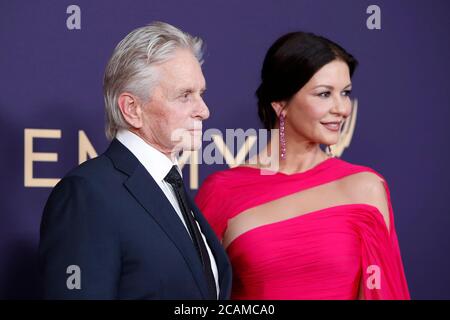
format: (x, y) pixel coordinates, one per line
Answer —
(323, 254)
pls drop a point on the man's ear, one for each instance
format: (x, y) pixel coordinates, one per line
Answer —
(131, 109)
(279, 107)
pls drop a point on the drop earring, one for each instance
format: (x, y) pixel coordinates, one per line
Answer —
(282, 138)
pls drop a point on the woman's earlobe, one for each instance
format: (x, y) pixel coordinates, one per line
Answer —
(279, 107)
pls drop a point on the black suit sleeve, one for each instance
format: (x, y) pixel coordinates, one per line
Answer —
(79, 249)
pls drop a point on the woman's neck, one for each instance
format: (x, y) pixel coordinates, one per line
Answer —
(300, 156)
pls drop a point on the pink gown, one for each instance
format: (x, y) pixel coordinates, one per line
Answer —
(322, 254)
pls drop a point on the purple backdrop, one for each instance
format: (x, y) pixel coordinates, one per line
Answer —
(51, 78)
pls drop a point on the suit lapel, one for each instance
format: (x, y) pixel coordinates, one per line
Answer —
(147, 192)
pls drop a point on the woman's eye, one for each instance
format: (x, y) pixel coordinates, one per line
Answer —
(324, 94)
(347, 93)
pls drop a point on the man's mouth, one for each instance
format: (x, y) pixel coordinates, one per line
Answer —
(195, 131)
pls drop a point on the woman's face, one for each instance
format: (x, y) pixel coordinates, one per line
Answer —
(316, 112)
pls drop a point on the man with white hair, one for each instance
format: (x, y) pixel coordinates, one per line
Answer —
(121, 226)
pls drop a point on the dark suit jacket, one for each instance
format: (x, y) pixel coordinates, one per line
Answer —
(110, 218)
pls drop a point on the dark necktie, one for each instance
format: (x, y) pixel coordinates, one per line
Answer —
(175, 180)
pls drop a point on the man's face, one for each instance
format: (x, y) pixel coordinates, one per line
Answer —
(172, 118)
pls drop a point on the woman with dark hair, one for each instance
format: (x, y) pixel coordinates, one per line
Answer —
(317, 227)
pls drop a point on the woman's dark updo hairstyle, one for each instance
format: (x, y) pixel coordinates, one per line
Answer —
(289, 64)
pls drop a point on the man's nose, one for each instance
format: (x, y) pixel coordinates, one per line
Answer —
(202, 110)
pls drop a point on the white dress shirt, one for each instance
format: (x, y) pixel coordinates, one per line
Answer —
(158, 166)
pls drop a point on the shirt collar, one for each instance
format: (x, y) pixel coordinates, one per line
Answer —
(154, 161)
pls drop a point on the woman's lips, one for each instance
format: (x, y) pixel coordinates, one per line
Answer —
(332, 126)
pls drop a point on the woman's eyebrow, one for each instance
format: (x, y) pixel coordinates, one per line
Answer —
(331, 87)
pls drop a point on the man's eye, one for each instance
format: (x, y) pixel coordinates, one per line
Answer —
(185, 95)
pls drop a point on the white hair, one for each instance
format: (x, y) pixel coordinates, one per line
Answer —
(131, 66)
